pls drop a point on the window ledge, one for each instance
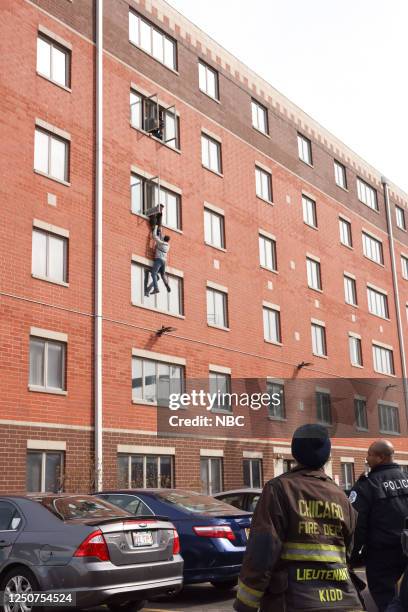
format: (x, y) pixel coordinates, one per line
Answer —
(209, 96)
(379, 316)
(52, 178)
(320, 356)
(173, 70)
(278, 419)
(45, 390)
(390, 433)
(221, 411)
(385, 374)
(221, 327)
(273, 342)
(50, 280)
(142, 402)
(165, 144)
(341, 187)
(215, 247)
(261, 132)
(376, 210)
(265, 200)
(362, 428)
(43, 76)
(165, 312)
(357, 365)
(352, 305)
(213, 171)
(142, 216)
(306, 163)
(314, 227)
(315, 289)
(268, 269)
(403, 229)
(348, 246)
(377, 263)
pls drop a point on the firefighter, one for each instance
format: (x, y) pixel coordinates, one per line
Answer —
(301, 535)
(381, 500)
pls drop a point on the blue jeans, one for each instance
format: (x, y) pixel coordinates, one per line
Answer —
(159, 268)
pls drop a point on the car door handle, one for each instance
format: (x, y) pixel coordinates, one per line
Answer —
(4, 544)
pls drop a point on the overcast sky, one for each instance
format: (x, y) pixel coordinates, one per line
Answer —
(344, 62)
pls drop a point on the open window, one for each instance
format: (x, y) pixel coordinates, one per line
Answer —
(151, 114)
(160, 121)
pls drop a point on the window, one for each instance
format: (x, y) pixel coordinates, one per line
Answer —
(377, 303)
(208, 80)
(144, 195)
(367, 194)
(340, 174)
(372, 248)
(319, 340)
(10, 520)
(145, 471)
(271, 325)
(305, 149)
(259, 117)
(166, 301)
(53, 61)
(314, 279)
(49, 256)
(276, 410)
(389, 419)
(309, 211)
(345, 232)
(400, 217)
(156, 43)
(153, 381)
(220, 383)
(214, 229)
(211, 475)
(360, 411)
(383, 359)
(267, 253)
(252, 473)
(47, 364)
(160, 121)
(217, 308)
(45, 472)
(263, 184)
(211, 153)
(356, 356)
(288, 464)
(51, 155)
(323, 405)
(350, 290)
(404, 266)
(347, 475)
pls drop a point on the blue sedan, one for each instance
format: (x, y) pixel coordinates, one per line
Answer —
(213, 534)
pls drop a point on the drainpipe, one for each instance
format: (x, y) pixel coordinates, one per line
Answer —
(98, 249)
(396, 293)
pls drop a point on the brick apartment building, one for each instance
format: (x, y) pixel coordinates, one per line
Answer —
(288, 259)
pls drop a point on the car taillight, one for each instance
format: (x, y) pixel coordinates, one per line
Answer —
(215, 531)
(94, 546)
(176, 543)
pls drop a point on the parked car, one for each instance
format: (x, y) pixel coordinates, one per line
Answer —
(213, 535)
(86, 545)
(245, 499)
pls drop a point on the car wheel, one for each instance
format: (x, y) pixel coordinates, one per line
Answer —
(225, 585)
(18, 581)
(127, 606)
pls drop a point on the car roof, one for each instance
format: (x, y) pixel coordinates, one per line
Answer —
(236, 491)
(147, 491)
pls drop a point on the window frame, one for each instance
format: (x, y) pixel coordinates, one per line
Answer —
(357, 350)
(273, 324)
(375, 298)
(369, 240)
(311, 274)
(217, 143)
(65, 242)
(309, 211)
(173, 277)
(260, 174)
(404, 267)
(305, 144)
(347, 479)
(349, 281)
(387, 355)
(67, 152)
(153, 28)
(44, 454)
(259, 108)
(214, 375)
(221, 218)
(146, 184)
(366, 194)
(209, 460)
(250, 461)
(224, 295)
(68, 60)
(360, 413)
(45, 388)
(382, 407)
(321, 340)
(348, 232)
(273, 387)
(144, 456)
(162, 114)
(400, 218)
(157, 363)
(323, 408)
(340, 171)
(262, 249)
(207, 69)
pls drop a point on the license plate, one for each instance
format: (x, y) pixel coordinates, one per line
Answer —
(142, 538)
(247, 530)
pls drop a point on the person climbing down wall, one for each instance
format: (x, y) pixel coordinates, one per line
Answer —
(159, 264)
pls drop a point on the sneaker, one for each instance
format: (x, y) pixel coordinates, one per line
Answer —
(156, 291)
(147, 293)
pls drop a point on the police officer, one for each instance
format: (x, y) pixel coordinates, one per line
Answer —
(301, 534)
(381, 500)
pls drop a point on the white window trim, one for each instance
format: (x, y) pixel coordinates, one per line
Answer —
(371, 234)
(144, 261)
(349, 275)
(262, 166)
(270, 306)
(347, 460)
(44, 125)
(48, 227)
(211, 452)
(382, 345)
(314, 257)
(266, 234)
(163, 183)
(211, 135)
(48, 334)
(61, 41)
(354, 335)
(219, 369)
(344, 218)
(130, 449)
(325, 390)
(317, 322)
(213, 208)
(136, 89)
(170, 359)
(217, 287)
(387, 403)
(252, 455)
(47, 445)
(378, 289)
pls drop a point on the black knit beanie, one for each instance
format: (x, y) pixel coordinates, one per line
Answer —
(311, 445)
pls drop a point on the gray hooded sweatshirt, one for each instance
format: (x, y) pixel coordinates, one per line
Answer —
(162, 247)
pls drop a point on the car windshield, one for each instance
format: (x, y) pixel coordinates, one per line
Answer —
(82, 507)
(195, 502)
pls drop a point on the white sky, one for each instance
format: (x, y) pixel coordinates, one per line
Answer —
(344, 62)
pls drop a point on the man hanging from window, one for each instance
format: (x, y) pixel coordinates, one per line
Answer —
(159, 264)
